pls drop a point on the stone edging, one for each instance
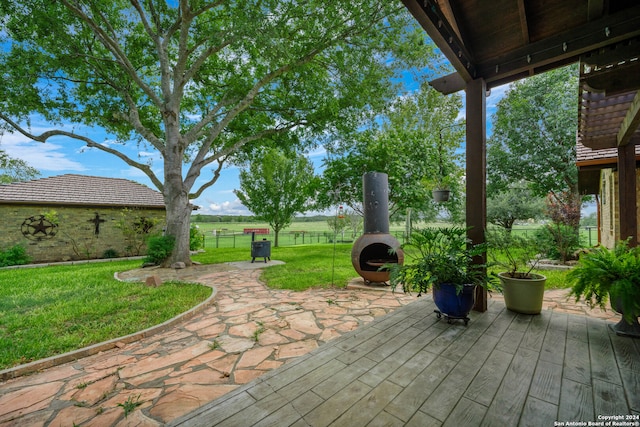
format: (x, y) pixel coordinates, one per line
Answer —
(52, 361)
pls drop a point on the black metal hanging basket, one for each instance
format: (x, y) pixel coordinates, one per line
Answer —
(441, 196)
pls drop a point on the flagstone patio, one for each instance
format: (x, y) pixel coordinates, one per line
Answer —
(341, 357)
(409, 368)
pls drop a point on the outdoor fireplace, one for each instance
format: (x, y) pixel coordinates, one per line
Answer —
(371, 250)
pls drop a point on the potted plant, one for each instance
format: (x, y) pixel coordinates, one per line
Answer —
(440, 194)
(611, 274)
(522, 289)
(442, 259)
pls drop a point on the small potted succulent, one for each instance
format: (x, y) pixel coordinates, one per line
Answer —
(522, 289)
(611, 274)
(442, 259)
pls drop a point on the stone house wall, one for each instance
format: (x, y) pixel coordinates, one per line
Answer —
(609, 207)
(82, 232)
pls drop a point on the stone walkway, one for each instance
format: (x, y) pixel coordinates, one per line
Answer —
(247, 331)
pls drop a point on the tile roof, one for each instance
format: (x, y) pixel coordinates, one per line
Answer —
(588, 156)
(85, 190)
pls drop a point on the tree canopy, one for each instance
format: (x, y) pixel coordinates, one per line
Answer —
(199, 81)
(276, 187)
(12, 169)
(413, 141)
(515, 203)
(534, 134)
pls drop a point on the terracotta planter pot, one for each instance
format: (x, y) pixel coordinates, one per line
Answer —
(523, 295)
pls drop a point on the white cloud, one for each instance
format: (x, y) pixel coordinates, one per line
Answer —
(42, 156)
(497, 93)
(234, 207)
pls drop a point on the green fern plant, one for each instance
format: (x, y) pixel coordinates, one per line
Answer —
(439, 255)
(604, 274)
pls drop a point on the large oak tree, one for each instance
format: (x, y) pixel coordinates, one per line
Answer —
(199, 81)
(534, 137)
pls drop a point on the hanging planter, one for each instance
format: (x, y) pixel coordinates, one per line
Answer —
(440, 195)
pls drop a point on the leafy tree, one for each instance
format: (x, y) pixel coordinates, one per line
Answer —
(338, 225)
(414, 142)
(12, 170)
(516, 203)
(201, 82)
(534, 136)
(355, 222)
(346, 219)
(276, 188)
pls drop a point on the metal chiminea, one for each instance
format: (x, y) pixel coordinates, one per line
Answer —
(371, 250)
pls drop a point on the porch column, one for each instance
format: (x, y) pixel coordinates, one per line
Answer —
(627, 193)
(476, 186)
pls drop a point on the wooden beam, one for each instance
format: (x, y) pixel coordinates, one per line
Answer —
(476, 171)
(568, 45)
(524, 23)
(429, 15)
(630, 122)
(448, 12)
(524, 26)
(595, 8)
(448, 84)
(627, 194)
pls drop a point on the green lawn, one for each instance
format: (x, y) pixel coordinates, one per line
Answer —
(306, 266)
(51, 310)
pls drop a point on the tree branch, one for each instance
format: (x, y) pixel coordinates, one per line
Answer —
(213, 180)
(43, 137)
(113, 47)
(201, 160)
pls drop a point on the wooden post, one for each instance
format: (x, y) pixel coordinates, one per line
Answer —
(476, 171)
(627, 193)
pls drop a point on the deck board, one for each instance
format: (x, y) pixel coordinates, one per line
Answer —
(411, 369)
(601, 353)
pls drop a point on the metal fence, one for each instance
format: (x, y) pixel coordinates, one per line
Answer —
(588, 237)
(293, 238)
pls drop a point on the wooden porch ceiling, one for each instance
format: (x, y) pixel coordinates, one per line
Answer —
(506, 40)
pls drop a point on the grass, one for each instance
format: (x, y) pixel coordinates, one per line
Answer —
(51, 310)
(309, 266)
(306, 266)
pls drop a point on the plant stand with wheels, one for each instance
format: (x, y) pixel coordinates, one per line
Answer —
(453, 305)
(450, 319)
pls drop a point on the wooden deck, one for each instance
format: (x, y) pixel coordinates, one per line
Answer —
(409, 368)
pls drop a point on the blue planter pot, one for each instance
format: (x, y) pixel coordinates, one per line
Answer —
(451, 304)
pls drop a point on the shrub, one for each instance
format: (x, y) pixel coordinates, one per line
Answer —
(518, 253)
(196, 238)
(15, 255)
(558, 241)
(110, 253)
(159, 249)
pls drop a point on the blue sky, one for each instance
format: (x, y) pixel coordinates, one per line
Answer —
(64, 155)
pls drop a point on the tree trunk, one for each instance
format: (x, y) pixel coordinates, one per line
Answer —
(176, 195)
(178, 224)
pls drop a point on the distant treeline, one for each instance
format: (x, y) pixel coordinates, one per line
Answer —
(243, 218)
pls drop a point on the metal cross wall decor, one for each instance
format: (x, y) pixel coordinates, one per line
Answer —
(96, 221)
